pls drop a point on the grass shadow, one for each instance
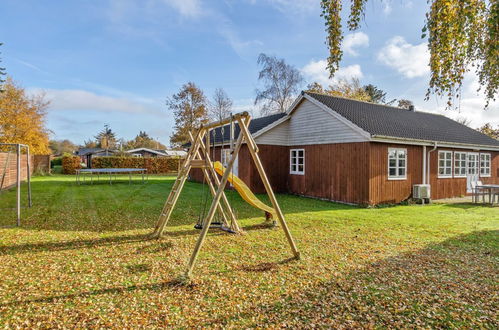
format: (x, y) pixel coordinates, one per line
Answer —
(450, 284)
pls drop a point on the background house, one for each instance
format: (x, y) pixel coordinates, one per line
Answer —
(146, 152)
(86, 154)
(365, 153)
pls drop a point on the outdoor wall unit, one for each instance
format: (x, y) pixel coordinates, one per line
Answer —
(421, 191)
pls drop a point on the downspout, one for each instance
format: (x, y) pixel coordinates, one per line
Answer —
(428, 164)
(424, 165)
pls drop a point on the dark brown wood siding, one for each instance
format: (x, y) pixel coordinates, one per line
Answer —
(349, 172)
(382, 190)
(337, 172)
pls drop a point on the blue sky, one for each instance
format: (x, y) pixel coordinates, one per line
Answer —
(116, 61)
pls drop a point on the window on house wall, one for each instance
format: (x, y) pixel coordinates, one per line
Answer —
(473, 163)
(460, 164)
(445, 164)
(225, 157)
(397, 164)
(297, 161)
(485, 165)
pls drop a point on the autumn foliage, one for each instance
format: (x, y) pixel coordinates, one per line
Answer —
(22, 118)
(160, 165)
(70, 164)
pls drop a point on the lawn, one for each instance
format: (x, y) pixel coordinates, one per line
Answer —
(82, 259)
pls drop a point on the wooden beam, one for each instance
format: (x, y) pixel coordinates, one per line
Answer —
(211, 212)
(225, 121)
(249, 139)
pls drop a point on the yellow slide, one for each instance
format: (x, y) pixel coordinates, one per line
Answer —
(244, 190)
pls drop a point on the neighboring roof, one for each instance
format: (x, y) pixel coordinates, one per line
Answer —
(86, 151)
(177, 153)
(152, 151)
(387, 121)
(256, 125)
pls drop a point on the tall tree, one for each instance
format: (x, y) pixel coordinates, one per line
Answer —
(22, 118)
(106, 138)
(2, 71)
(220, 106)
(143, 140)
(490, 131)
(404, 103)
(376, 95)
(189, 107)
(281, 83)
(59, 147)
(344, 88)
(462, 34)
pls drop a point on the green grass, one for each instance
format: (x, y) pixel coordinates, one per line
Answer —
(82, 259)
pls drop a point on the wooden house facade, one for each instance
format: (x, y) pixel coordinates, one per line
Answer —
(362, 153)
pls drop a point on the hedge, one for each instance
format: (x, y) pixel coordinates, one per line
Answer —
(70, 164)
(154, 165)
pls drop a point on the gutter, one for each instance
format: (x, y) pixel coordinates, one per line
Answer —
(387, 139)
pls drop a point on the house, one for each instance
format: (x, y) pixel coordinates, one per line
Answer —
(358, 152)
(146, 152)
(86, 154)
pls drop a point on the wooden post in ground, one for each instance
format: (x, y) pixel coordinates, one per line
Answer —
(249, 140)
(211, 213)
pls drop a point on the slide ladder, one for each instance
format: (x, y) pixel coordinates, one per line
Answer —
(244, 191)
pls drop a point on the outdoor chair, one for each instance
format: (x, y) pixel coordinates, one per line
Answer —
(477, 192)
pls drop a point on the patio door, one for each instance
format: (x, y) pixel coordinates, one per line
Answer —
(473, 170)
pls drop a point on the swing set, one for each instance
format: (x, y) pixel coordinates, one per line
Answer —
(199, 157)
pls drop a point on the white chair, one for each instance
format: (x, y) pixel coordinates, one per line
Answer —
(477, 192)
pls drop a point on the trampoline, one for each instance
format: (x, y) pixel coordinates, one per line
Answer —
(82, 173)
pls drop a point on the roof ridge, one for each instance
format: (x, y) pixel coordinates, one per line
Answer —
(372, 103)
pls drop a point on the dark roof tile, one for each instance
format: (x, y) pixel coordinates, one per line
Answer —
(382, 120)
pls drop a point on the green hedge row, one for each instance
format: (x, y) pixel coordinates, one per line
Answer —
(159, 165)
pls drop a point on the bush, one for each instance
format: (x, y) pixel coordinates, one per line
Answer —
(70, 164)
(57, 161)
(159, 165)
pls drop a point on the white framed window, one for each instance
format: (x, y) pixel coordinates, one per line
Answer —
(473, 163)
(297, 161)
(445, 164)
(397, 164)
(460, 164)
(485, 165)
(225, 157)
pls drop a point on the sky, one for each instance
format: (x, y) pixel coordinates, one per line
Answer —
(116, 61)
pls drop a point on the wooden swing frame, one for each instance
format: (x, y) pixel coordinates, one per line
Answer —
(199, 157)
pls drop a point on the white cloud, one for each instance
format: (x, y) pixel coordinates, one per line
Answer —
(409, 60)
(81, 100)
(187, 8)
(316, 71)
(387, 7)
(353, 40)
(469, 106)
(293, 6)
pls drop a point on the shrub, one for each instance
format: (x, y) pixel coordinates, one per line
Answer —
(159, 165)
(70, 164)
(57, 161)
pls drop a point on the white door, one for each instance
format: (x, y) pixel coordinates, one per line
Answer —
(472, 174)
(225, 160)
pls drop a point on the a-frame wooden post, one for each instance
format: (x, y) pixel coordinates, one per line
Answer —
(254, 154)
(246, 135)
(195, 159)
(177, 187)
(211, 212)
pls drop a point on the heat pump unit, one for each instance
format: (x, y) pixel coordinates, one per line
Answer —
(421, 191)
